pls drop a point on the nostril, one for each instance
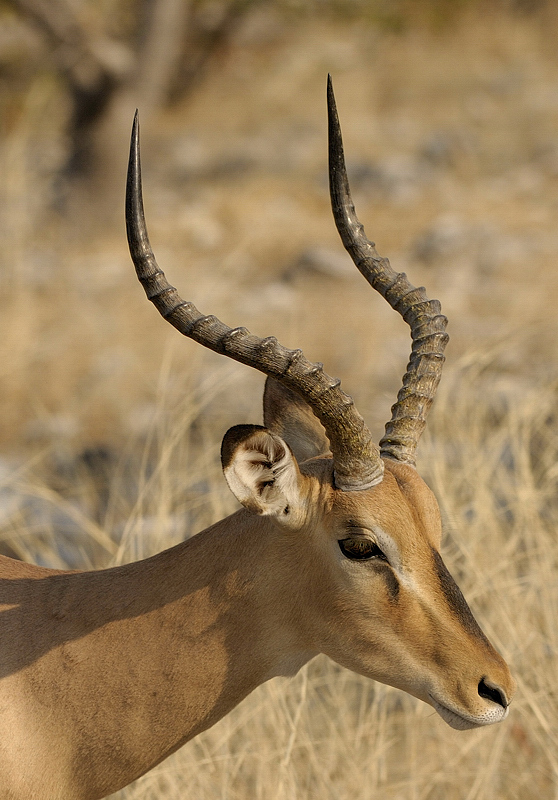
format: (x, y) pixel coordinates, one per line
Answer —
(492, 693)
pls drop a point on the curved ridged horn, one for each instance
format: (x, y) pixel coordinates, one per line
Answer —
(408, 415)
(356, 459)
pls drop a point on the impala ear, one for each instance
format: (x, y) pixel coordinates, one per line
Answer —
(289, 416)
(262, 473)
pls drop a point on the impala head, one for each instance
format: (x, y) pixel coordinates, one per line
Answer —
(355, 527)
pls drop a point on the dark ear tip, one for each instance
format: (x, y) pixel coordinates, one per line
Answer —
(233, 437)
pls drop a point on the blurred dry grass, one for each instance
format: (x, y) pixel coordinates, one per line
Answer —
(111, 423)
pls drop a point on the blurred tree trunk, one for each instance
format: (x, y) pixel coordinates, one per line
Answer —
(162, 51)
(153, 64)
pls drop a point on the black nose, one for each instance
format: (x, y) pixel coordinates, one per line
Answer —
(493, 693)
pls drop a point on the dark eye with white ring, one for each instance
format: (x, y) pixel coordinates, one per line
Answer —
(359, 549)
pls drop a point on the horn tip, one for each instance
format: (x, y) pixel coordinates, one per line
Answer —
(330, 93)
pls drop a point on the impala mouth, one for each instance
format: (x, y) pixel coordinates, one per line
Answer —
(464, 722)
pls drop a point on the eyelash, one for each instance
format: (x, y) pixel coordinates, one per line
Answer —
(364, 549)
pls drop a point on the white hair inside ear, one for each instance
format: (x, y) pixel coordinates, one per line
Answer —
(262, 473)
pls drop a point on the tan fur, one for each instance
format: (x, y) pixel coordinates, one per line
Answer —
(104, 674)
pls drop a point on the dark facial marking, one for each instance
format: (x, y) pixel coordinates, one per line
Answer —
(233, 437)
(455, 599)
(392, 585)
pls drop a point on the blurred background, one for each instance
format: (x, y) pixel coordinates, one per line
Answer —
(111, 422)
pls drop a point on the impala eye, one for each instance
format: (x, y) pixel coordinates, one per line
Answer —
(360, 549)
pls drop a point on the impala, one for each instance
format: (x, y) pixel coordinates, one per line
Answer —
(336, 550)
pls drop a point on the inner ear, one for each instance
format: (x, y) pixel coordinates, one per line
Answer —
(262, 473)
(291, 418)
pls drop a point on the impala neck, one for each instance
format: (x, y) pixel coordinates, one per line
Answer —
(207, 622)
(235, 627)
(120, 667)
